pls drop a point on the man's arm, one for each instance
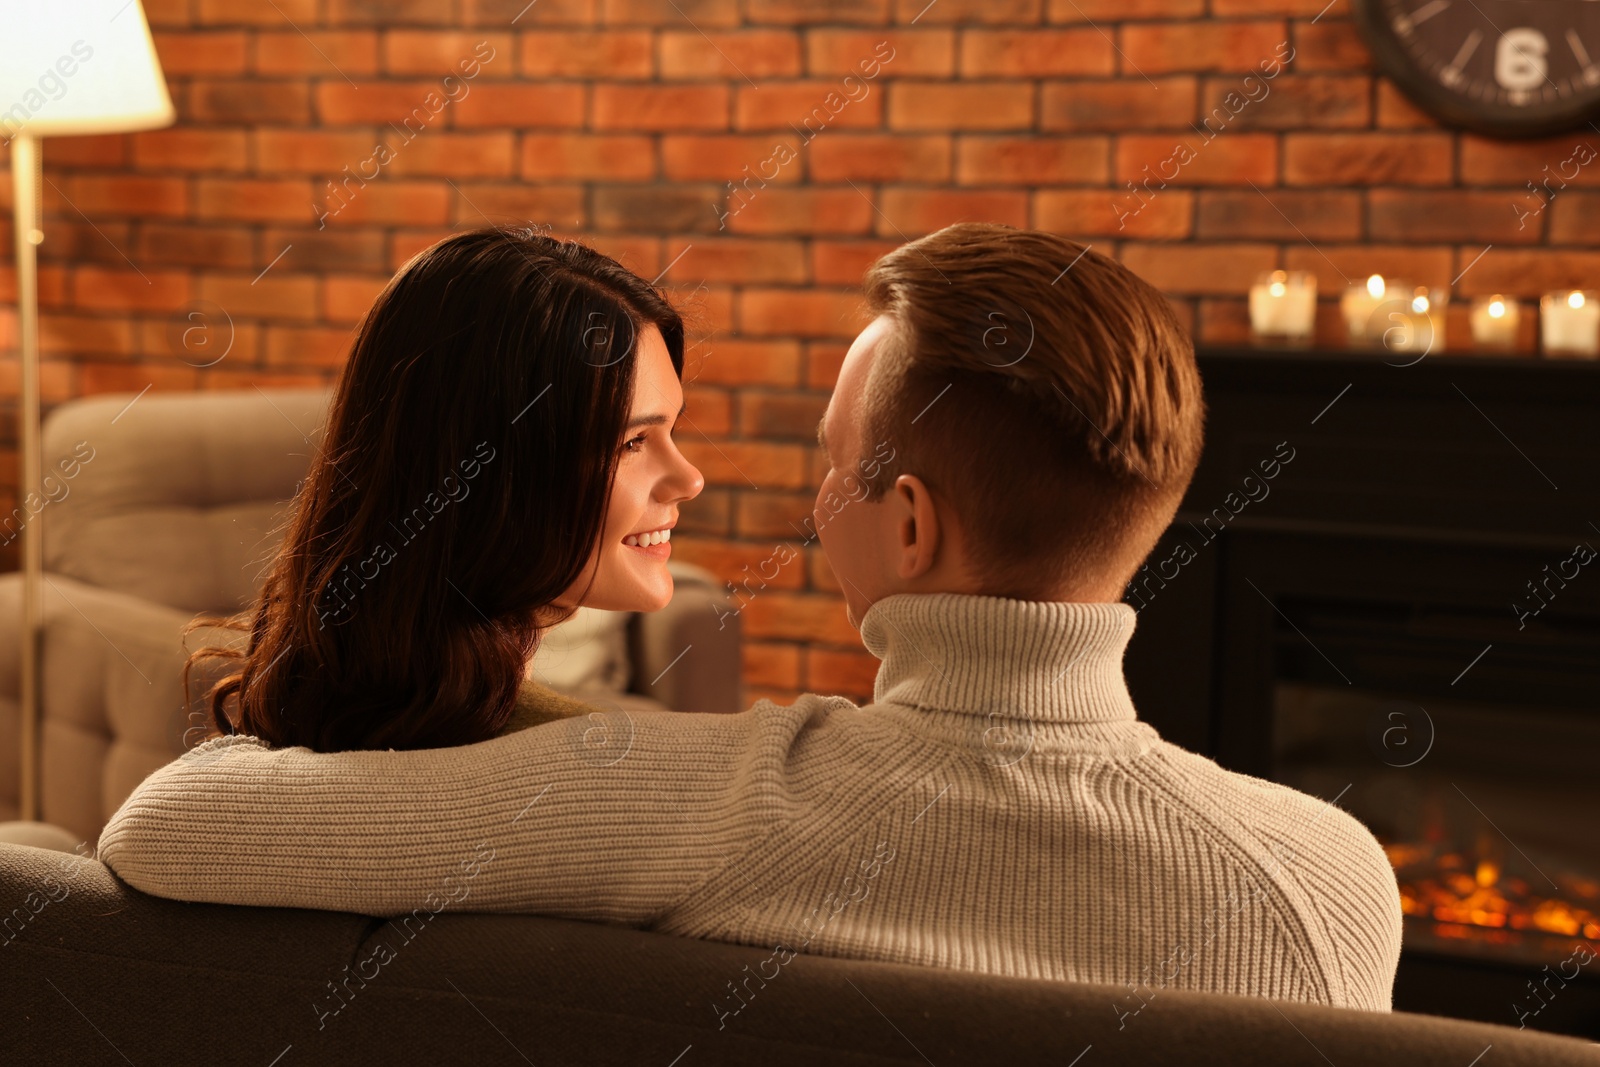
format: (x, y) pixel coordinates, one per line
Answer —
(611, 818)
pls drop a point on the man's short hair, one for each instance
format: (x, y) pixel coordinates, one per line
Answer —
(1045, 392)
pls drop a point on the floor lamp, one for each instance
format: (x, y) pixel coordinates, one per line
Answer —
(66, 67)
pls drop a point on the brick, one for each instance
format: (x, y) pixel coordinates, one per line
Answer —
(961, 105)
(163, 13)
(968, 11)
(747, 464)
(1397, 112)
(743, 362)
(410, 202)
(1574, 216)
(1033, 160)
(1516, 163)
(311, 249)
(250, 103)
(745, 55)
(618, 157)
(461, 54)
(880, 157)
(1167, 48)
(1305, 8)
(1199, 268)
(1336, 266)
(1286, 103)
(798, 617)
(79, 335)
(800, 313)
(481, 204)
(1367, 159)
(279, 294)
(781, 416)
(1279, 215)
(308, 346)
(758, 158)
(315, 151)
(127, 196)
(1036, 53)
(804, 211)
(200, 53)
(656, 208)
(656, 107)
(601, 54)
(388, 12)
(1456, 216)
(1114, 213)
(771, 664)
(1119, 106)
(404, 244)
(100, 150)
(680, 13)
(1525, 272)
(842, 673)
(519, 14)
(347, 297)
(809, 107)
(707, 310)
(1100, 10)
(1226, 159)
(640, 254)
(341, 53)
(776, 515)
(1223, 321)
(94, 378)
(1330, 44)
(872, 53)
(103, 288)
(708, 412)
(235, 13)
(222, 377)
(844, 262)
(199, 336)
(254, 199)
(188, 148)
(424, 103)
(794, 12)
(707, 514)
(548, 106)
(457, 155)
(737, 260)
(753, 569)
(915, 211)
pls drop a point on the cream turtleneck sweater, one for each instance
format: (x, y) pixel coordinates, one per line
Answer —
(998, 807)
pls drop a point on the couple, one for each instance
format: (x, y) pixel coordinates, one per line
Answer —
(1032, 413)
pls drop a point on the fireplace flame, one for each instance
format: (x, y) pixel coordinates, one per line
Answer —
(1472, 892)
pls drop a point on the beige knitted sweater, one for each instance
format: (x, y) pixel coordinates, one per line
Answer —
(998, 808)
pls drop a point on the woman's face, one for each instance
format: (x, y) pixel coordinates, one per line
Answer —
(653, 478)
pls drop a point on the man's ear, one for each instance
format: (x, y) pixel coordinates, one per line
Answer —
(916, 527)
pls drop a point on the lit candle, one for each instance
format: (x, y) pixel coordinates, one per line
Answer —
(1418, 324)
(1283, 304)
(1569, 322)
(1494, 321)
(1360, 300)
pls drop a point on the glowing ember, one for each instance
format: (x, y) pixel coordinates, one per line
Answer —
(1470, 891)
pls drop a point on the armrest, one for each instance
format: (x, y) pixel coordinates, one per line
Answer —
(689, 655)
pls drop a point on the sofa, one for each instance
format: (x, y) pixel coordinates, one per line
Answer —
(95, 972)
(162, 506)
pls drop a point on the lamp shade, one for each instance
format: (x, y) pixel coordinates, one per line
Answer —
(78, 67)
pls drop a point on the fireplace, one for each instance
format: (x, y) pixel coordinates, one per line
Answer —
(1382, 589)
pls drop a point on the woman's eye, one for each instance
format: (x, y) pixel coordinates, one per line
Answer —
(630, 445)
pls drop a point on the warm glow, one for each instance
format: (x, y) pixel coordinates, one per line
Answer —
(1419, 304)
(1469, 891)
(1375, 285)
(1575, 299)
(1497, 308)
(1277, 288)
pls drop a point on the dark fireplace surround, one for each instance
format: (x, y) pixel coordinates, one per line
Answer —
(1376, 590)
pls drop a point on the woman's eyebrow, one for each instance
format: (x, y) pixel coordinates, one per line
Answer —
(654, 420)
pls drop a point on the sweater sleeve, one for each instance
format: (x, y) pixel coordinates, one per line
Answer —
(610, 818)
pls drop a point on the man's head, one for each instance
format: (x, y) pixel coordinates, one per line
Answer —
(1020, 419)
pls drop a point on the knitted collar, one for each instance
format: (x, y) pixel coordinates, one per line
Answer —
(1051, 661)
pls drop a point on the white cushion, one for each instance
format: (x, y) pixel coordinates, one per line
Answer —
(586, 654)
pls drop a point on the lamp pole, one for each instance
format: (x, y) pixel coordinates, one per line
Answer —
(25, 165)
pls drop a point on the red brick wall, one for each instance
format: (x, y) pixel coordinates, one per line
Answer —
(624, 121)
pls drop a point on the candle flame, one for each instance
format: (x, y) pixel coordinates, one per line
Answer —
(1420, 304)
(1497, 309)
(1575, 299)
(1375, 285)
(1277, 289)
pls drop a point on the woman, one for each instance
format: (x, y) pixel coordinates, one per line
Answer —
(498, 452)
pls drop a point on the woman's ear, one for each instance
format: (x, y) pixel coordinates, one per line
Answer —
(916, 527)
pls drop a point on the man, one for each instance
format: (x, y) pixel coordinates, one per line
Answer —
(1007, 440)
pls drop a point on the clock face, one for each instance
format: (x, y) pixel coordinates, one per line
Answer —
(1501, 67)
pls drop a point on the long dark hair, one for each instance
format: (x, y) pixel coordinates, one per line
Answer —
(460, 486)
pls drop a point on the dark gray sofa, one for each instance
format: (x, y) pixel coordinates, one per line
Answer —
(95, 972)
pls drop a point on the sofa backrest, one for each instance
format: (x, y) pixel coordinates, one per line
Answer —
(87, 962)
(175, 498)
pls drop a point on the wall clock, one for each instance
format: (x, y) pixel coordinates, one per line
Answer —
(1506, 68)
